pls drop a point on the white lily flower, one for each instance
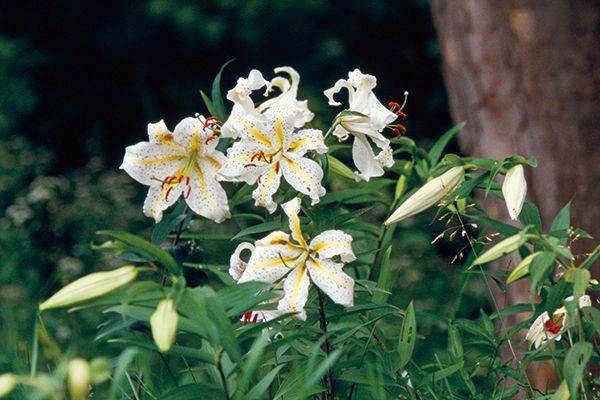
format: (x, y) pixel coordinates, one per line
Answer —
(271, 149)
(545, 328)
(278, 256)
(244, 111)
(368, 119)
(514, 190)
(179, 163)
(429, 195)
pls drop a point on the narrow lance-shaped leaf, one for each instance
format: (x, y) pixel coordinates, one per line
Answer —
(408, 336)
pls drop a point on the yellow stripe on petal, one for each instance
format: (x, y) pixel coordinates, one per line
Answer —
(279, 129)
(274, 262)
(257, 134)
(265, 186)
(293, 165)
(158, 160)
(213, 204)
(320, 268)
(296, 286)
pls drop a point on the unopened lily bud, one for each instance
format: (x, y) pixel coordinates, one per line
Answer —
(522, 268)
(164, 325)
(429, 195)
(501, 249)
(90, 287)
(7, 384)
(514, 190)
(78, 379)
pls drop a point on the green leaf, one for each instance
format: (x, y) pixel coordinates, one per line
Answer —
(217, 97)
(408, 337)
(339, 168)
(250, 365)
(384, 281)
(562, 221)
(592, 315)
(581, 278)
(591, 259)
(574, 366)
(438, 148)
(263, 385)
(208, 103)
(238, 299)
(144, 248)
(169, 223)
(530, 215)
(442, 373)
(125, 359)
(455, 347)
(315, 374)
(193, 391)
(258, 228)
(540, 268)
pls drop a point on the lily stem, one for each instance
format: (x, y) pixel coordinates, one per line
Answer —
(326, 346)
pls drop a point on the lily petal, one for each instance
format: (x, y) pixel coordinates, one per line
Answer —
(150, 163)
(304, 175)
(292, 208)
(295, 288)
(330, 278)
(237, 266)
(267, 186)
(242, 163)
(159, 199)
(364, 159)
(304, 140)
(272, 258)
(159, 133)
(204, 194)
(333, 243)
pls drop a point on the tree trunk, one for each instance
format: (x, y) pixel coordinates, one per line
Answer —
(525, 76)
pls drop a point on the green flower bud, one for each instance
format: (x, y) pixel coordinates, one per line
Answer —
(429, 195)
(522, 268)
(90, 287)
(7, 384)
(164, 325)
(78, 380)
(501, 249)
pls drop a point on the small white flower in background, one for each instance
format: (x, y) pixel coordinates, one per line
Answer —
(429, 195)
(7, 384)
(164, 325)
(271, 149)
(367, 118)
(244, 110)
(180, 163)
(78, 378)
(278, 256)
(545, 328)
(514, 190)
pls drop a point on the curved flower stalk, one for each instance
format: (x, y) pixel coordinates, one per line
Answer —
(428, 195)
(366, 119)
(180, 163)
(545, 328)
(514, 190)
(277, 256)
(273, 149)
(244, 110)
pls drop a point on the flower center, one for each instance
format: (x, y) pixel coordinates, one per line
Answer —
(181, 177)
(268, 159)
(554, 325)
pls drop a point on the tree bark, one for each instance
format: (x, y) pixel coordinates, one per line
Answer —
(525, 76)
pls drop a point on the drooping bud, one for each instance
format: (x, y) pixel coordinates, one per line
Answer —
(90, 287)
(501, 249)
(522, 268)
(78, 379)
(7, 384)
(514, 190)
(164, 325)
(429, 195)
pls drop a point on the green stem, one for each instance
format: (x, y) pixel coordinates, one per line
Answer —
(327, 347)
